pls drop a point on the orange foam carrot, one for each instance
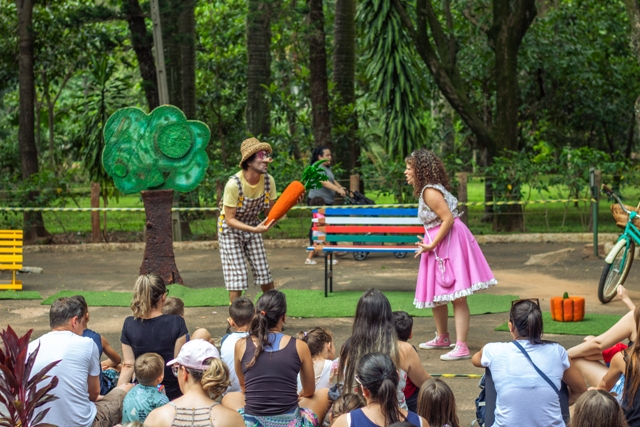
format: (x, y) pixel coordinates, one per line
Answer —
(286, 201)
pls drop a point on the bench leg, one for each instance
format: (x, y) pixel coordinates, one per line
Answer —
(326, 276)
(331, 272)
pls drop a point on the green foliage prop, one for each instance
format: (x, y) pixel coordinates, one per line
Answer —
(312, 176)
(159, 151)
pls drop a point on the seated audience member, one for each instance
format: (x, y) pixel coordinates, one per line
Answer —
(404, 328)
(377, 377)
(78, 371)
(323, 353)
(174, 305)
(267, 364)
(437, 404)
(150, 331)
(109, 373)
(344, 404)
(589, 356)
(374, 332)
(145, 397)
(202, 377)
(517, 388)
(627, 365)
(241, 312)
(597, 408)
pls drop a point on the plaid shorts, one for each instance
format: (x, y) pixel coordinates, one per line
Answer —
(235, 247)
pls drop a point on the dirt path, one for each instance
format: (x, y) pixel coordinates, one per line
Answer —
(570, 270)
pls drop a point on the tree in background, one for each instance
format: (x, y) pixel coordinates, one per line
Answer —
(319, 89)
(33, 222)
(437, 45)
(142, 42)
(347, 148)
(258, 66)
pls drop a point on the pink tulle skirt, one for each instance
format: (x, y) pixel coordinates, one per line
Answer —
(469, 266)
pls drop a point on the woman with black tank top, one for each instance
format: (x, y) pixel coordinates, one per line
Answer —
(267, 363)
(377, 378)
(150, 331)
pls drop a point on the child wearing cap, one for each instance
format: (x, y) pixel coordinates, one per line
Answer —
(202, 377)
(145, 397)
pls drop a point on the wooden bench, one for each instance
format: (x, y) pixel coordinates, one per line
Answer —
(11, 257)
(361, 231)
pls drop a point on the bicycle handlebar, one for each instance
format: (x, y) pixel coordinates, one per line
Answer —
(609, 192)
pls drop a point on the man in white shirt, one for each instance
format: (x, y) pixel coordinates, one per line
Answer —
(79, 402)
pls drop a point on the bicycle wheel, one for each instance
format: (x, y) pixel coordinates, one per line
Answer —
(614, 274)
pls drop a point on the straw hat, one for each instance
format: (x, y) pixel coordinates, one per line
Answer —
(251, 146)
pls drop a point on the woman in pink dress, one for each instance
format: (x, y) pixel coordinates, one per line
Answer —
(452, 265)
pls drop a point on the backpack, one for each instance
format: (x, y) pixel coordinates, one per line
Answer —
(357, 198)
(481, 404)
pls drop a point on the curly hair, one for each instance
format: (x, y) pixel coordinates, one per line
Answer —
(428, 169)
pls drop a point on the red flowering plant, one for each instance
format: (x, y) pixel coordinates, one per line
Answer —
(19, 392)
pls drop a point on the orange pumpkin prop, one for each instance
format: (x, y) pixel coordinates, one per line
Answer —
(567, 309)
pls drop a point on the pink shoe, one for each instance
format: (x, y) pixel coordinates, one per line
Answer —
(440, 341)
(460, 351)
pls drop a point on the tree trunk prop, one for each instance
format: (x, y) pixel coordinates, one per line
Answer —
(158, 251)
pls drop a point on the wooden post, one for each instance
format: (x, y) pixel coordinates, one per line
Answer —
(354, 183)
(95, 215)
(595, 180)
(462, 197)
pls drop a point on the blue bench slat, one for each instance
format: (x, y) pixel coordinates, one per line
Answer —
(369, 249)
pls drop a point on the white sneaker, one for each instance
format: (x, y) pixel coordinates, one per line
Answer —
(310, 262)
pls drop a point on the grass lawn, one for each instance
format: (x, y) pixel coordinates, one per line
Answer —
(553, 218)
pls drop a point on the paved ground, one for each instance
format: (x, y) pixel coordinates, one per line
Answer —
(572, 269)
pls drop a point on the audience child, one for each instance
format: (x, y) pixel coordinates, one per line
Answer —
(374, 331)
(77, 371)
(404, 328)
(241, 312)
(317, 244)
(437, 404)
(378, 378)
(150, 331)
(344, 404)
(174, 305)
(109, 368)
(202, 377)
(267, 364)
(323, 353)
(518, 388)
(597, 408)
(145, 397)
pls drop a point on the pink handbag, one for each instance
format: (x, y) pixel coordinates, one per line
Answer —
(444, 273)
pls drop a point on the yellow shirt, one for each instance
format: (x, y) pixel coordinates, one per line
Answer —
(230, 197)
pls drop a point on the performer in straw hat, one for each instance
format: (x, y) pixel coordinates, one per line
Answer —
(246, 194)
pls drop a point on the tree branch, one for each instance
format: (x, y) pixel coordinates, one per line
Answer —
(473, 19)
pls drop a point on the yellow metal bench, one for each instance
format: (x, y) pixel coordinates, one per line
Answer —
(11, 257)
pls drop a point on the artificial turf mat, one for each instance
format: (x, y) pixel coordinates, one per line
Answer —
(307, 303)
(207, 297)
(20, 295)
(592, 324)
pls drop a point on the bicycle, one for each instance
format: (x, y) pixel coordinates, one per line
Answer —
(620, 258)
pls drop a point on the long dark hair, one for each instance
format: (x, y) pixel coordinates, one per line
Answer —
(378, 374)
(373, 332)
(437, 404)
(270, 308)
(316, 153)
(526, 318)
(632, 359)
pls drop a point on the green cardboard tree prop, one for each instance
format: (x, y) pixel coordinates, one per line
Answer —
(155, 154)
